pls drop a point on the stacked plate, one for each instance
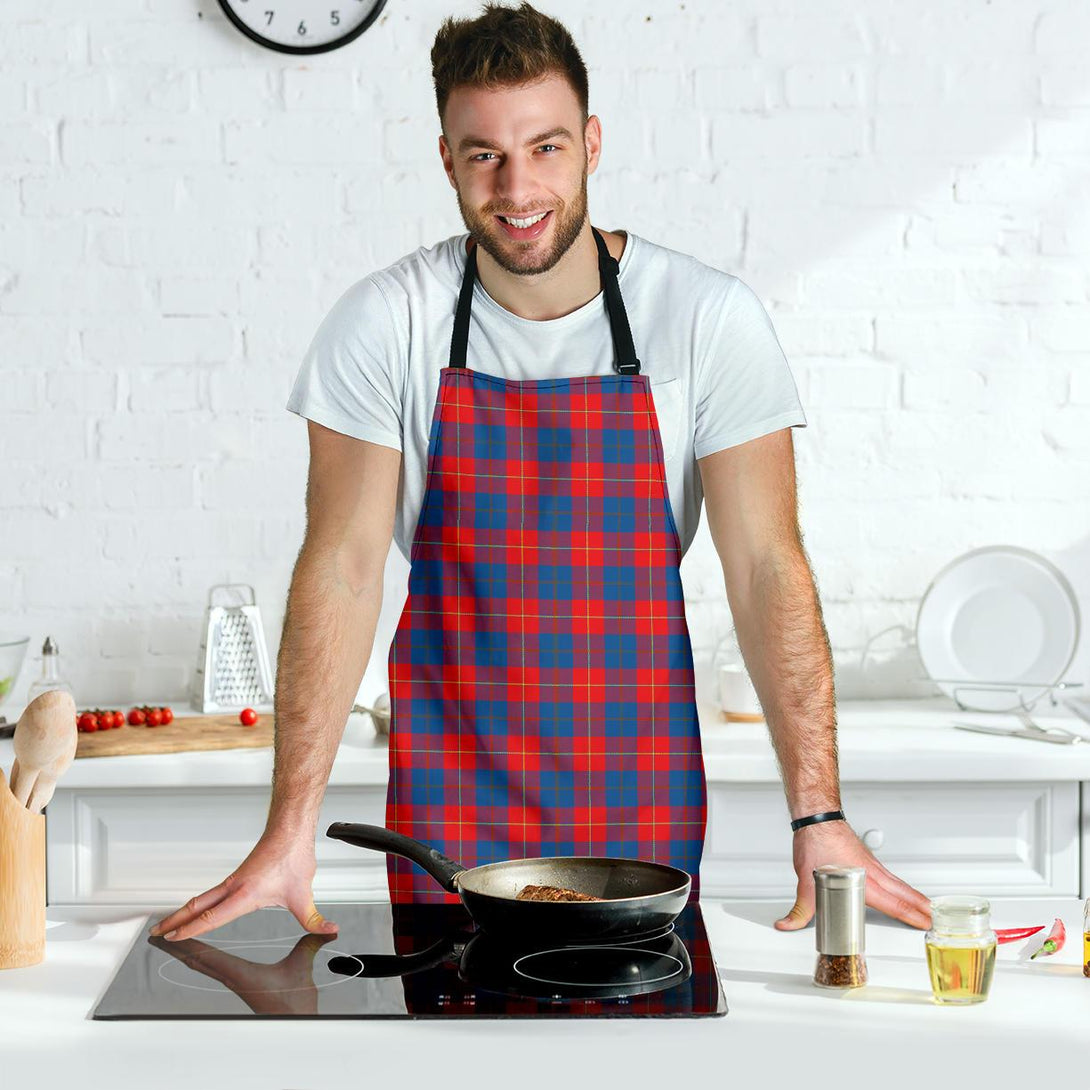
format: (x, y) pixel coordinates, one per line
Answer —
(997, 628)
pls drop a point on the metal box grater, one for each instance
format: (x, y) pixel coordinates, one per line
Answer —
(233, 665)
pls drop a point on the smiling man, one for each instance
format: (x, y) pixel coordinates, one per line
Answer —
(535, 410)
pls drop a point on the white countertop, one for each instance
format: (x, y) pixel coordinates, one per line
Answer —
(779, 1029)
(879, 741)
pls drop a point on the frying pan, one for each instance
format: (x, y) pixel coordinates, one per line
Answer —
(638, 896)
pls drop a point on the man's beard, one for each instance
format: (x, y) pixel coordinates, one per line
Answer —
(507, 253)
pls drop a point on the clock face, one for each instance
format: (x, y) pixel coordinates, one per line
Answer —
(302, 26)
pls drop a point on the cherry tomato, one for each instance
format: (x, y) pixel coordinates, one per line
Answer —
(247, 717)
(119, 718)
(86, 721)
(136, 717)
(155, 717)
(168, 715)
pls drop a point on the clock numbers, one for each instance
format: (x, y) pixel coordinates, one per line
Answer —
(301, 26)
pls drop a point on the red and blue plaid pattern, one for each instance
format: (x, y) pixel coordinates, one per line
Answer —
(541, 675)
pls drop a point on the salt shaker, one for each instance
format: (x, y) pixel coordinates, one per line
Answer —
(839, 916)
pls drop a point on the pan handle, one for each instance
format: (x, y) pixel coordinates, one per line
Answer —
(442, 869)
(387, 965)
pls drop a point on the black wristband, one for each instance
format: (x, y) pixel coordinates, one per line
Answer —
(814, 819)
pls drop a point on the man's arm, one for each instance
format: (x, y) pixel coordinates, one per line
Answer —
(332, 613)
(751, 500)
(329, 629)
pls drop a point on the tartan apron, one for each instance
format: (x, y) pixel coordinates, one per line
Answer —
(541, 674)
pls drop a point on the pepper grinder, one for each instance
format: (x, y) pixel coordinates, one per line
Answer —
(839, 917)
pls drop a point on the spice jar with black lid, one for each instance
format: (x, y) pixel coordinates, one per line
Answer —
(839, 916)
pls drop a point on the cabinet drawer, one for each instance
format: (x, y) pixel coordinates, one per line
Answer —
(995, 839)
(162, 847)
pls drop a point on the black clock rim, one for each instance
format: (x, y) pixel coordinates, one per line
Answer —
(298, 50)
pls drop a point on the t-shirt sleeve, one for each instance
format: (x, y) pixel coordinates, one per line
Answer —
(744, 386)
(352, 376)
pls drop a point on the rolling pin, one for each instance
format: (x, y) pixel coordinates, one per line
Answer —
(45, 743)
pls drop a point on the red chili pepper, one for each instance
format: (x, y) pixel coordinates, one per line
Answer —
(1054, 942)
(1013, 934)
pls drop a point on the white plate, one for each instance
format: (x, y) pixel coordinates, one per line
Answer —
(998, 616)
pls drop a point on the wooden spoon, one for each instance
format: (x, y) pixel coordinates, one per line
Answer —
(45, 743)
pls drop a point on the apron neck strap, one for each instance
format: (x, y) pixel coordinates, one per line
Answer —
(625, 361)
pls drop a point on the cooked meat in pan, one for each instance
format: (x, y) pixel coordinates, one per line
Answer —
(552, 893)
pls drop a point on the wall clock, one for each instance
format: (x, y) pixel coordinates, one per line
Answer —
(302, 26)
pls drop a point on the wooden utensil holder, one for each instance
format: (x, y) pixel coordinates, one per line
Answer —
(22, 882)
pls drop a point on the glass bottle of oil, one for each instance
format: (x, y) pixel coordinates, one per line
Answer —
(960, 949)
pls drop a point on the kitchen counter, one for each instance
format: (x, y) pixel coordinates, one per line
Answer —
(779, 1028)
(917, 733)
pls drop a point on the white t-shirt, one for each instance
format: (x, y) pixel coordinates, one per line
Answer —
(718, 374)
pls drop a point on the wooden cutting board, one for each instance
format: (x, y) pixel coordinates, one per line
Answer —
(185, 733)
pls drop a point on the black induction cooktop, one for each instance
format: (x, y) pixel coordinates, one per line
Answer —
(410, 961)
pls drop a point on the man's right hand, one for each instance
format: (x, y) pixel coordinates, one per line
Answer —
(278, 871)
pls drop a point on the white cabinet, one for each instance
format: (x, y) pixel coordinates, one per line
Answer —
(994, 839)
(161, 846)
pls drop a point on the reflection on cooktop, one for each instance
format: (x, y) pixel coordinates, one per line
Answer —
(409, 961)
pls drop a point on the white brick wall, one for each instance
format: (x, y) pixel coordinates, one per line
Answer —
(905, 186)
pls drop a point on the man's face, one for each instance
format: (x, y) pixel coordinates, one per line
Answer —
(515, 153)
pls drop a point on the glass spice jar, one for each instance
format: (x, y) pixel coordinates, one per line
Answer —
(839, 917)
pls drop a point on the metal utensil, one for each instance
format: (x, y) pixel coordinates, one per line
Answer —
(233, 668)
(1056, 735)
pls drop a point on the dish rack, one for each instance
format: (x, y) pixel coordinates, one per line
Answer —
(962, 687)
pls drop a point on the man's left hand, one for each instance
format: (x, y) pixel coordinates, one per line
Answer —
(835, 842)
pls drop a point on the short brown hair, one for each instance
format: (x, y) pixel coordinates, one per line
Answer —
(501, 47)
